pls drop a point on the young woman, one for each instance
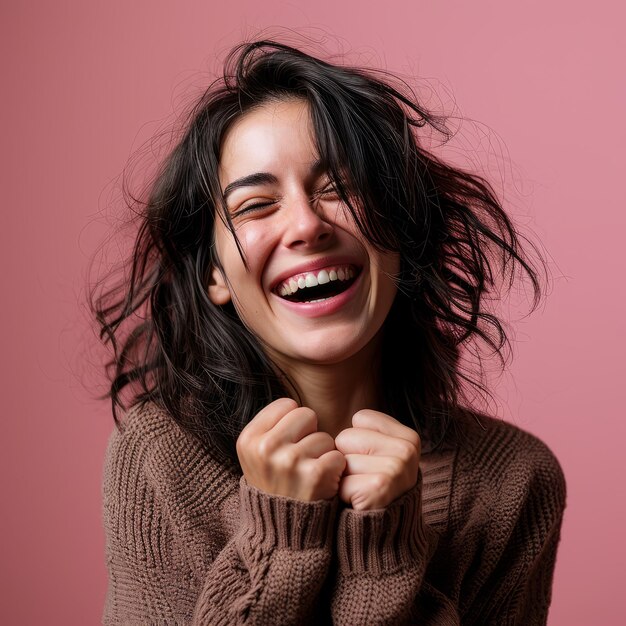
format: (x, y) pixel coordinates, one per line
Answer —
(297, 450)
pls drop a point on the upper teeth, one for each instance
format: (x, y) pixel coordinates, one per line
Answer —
(311, 279)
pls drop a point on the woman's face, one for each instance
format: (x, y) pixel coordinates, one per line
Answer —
(314, 290)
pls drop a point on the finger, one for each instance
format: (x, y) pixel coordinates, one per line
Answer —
(328, 470)
(333, 462)
(368, 464)
(295, 425)
(363, 492)
(383, 423)
(315, 445)
(270, 415)
(364, 441)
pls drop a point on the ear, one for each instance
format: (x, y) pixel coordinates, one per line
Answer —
(219, 293)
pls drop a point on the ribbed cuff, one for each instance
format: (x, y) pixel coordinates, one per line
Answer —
(273, 521)
(384, 540)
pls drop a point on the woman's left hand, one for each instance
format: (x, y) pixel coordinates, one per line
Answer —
(382, 460)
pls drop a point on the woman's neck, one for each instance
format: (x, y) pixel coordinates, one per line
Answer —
(337, 391)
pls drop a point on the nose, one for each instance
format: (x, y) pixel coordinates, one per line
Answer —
(306, 224)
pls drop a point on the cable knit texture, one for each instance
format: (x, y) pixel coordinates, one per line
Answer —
(188, 541)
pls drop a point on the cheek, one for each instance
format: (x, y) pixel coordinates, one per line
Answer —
(245, 283)
(257, 244)
(386, 277)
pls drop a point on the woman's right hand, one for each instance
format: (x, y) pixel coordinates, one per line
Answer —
(281, 452)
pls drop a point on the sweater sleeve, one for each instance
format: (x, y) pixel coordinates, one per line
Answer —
(383, 555)
(490, 564)
(176, 557)
(274, 566)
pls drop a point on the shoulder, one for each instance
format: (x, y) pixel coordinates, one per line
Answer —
(168, 509)
(141, 430)
(146, 434)
(505, 466)
(151, 447)
(499, 451)
(131, 444)
(503, 473)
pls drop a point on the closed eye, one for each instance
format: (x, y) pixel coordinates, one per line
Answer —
(253, 207)
(328, 191)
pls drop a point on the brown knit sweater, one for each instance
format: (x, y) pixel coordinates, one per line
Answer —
(190, 542)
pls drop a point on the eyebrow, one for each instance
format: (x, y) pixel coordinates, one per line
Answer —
(263, 178)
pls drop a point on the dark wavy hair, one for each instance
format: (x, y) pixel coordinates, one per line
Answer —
(199, 362)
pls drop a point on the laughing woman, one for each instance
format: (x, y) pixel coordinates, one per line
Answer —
(292, 445)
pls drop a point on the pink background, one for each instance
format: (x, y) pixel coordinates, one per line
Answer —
(84, 83)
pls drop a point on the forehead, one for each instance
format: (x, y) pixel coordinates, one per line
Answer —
(267, 139)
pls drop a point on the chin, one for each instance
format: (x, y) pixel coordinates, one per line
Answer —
(330, 350)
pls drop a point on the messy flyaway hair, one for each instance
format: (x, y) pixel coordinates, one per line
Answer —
(198, 361)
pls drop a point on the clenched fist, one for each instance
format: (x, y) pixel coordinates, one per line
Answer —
(382, 458)
(281, 452)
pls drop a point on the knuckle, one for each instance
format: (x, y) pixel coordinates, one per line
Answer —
(408, 452)
(264, 447)
(261, 448)
(242, 440)
(380, 482)
(240, 446)
(414, 439)
(396, 466)
(315, 474)
(285, 460)
(244, 446)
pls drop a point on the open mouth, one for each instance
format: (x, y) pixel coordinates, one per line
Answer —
(316, 286)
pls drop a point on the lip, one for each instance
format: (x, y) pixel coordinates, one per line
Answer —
(314, 266)
(323, 307)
